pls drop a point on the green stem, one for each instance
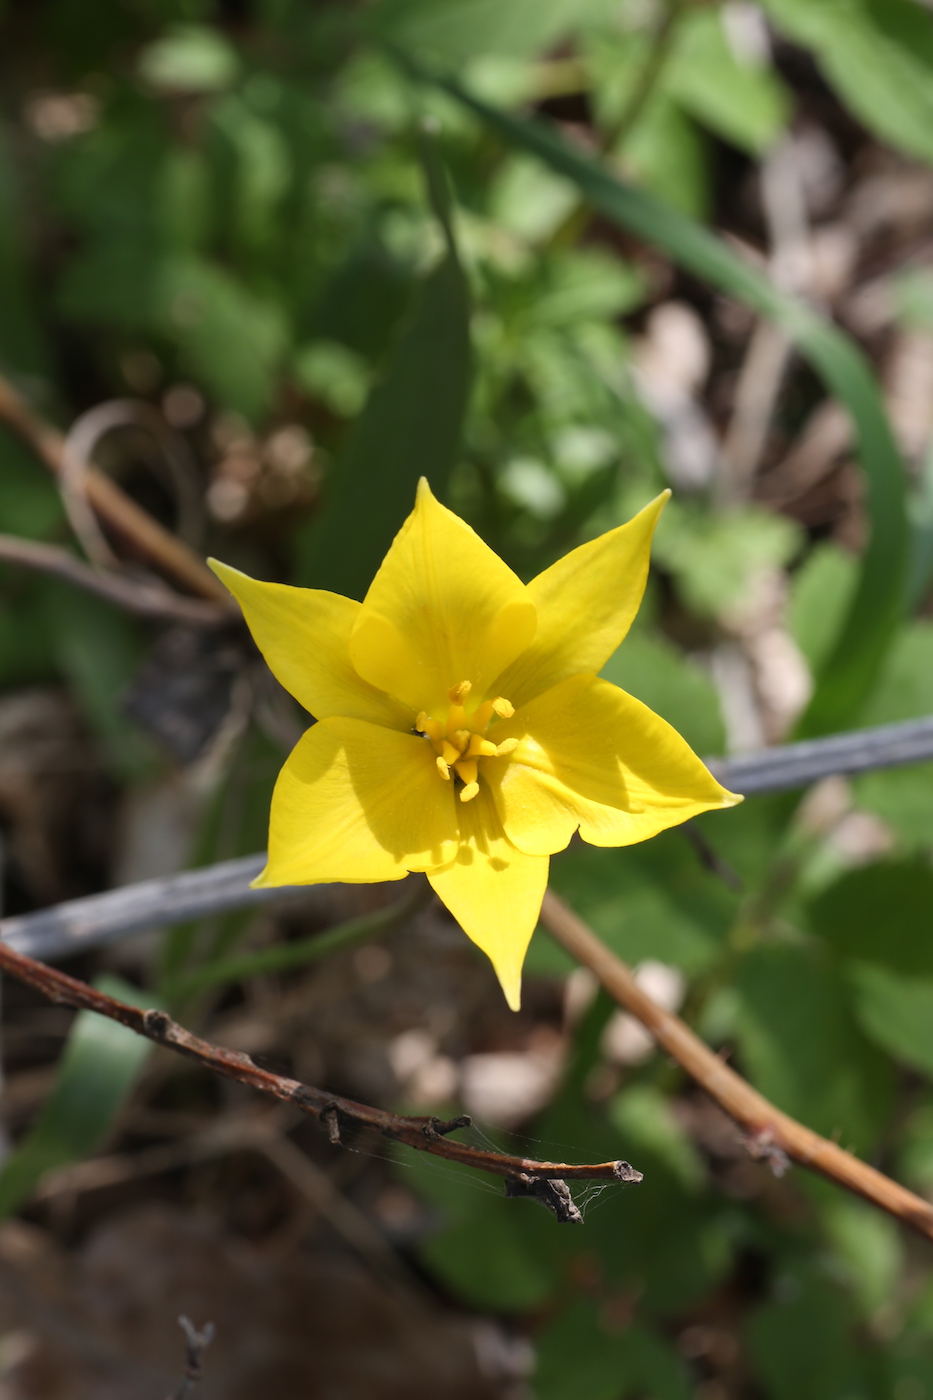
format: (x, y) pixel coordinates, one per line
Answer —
(282, 956)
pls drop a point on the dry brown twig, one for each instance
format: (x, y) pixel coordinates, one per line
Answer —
(196, 1343)
(134, 595)
(545, 1181)
(773, 1136)
(170, 554)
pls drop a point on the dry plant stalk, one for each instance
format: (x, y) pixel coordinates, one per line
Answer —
(112, 504)
(524, 1176)
(772, 1135)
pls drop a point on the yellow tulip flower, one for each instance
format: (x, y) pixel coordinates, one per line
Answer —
(462, 728)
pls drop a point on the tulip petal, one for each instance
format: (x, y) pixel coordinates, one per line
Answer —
(493, 891)
(593, 757)
(357, 802)
(442, 609)
(304, 635)
(585, 604)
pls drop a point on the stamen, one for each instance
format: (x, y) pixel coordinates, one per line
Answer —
(466, 770)
(469, 792)
(443, 768)
(507, 746)
(503, 708)
(432, 727)
(483, 714)
(458, 693)
(449, 753)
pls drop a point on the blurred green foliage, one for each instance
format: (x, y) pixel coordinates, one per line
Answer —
(261, 202)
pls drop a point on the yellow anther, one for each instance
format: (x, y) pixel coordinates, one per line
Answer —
(507, 746)
(432, 727)
(466, 770)
(449, 753)
(443, 768)
(480, 747)
(469, 792)
(503, 708)
(458, 693)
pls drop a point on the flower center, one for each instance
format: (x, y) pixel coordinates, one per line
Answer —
(459, 740)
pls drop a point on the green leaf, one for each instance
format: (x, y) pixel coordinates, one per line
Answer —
(821, 594)
(878, 55)
(647, 904)
(450, 31)
(903, 797)
(869, 1246)
(850, 670)
(643, 1115)
(802, 1049)
(743, 102)
(896, 1010)
(410, 427)
(101, 1062)
(882, 913)
(488, 1249)
(228, 338)
(581, 1354)
(190, 58)
(713, 556)
(802, 1344)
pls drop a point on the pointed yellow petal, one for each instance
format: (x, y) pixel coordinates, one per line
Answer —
(585, 604)
(593, 757)
(443, 609)
(357, 802)
(493, 891)
(304, 635)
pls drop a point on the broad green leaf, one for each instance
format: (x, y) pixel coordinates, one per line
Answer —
(850, 670)
(450, 31)
(801, 1047)
(868, 1244)
(581, 1354)
(714, 556)
(101, 1062)
(190, 58)
(878, 55)
(410, 427)
(743, 102)
(230, 339)
(896, 1010)
(903, 797)
(821, 594)
(642, 912)
(488, 1249)
(801, 1345)
(643, 1115)
(882, 913)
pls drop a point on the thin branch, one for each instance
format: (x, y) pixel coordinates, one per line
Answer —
(133, 595)
(773, 1135)
(196, 1343)
(112, 504)
(332, 1111)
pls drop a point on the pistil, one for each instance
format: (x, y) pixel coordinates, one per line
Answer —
(459, 740)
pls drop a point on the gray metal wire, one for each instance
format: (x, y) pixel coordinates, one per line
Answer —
(80, 924)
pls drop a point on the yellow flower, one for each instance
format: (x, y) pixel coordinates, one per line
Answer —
(462, 727)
